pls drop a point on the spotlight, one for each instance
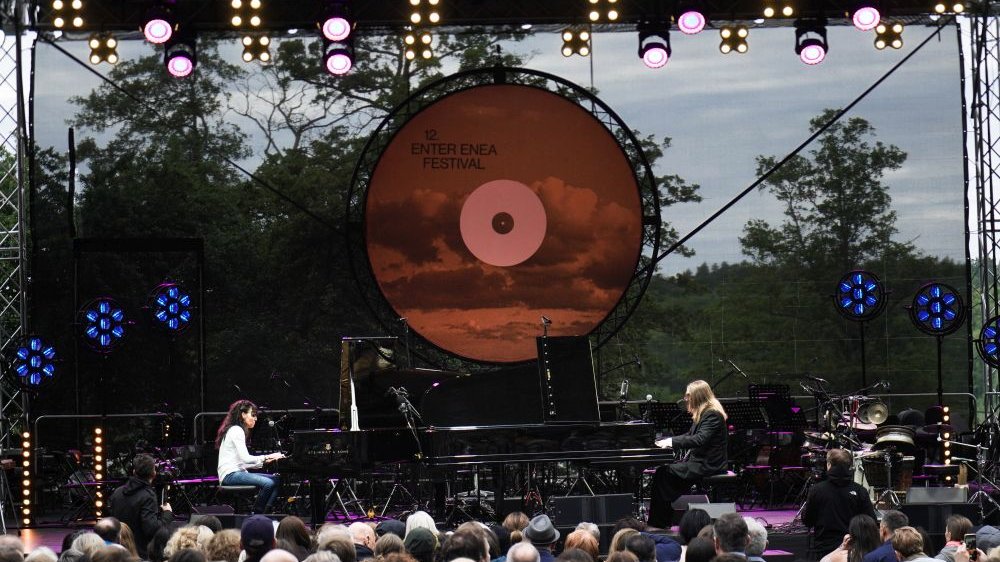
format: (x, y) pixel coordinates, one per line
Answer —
(102, 323)
(26, 448)
(889, 35)
(810, 40)
(256, 48)
(865, 16)
(338, 58)
(609, 10)
(424, 12)
(937, 309)
(245, 12)
(32, 364)
(576, 41)
(103, 48)
(337, 23)
(67, 13)
(859, 296)
(418, 44)
(690, 22)
(943, 8)
(170, 307)
(776, 8)
(988, 343)
(654, 44)
(734, 39)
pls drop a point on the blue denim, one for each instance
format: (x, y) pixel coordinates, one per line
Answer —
(268, 485)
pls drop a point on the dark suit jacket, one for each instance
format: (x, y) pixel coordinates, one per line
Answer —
(708, 441)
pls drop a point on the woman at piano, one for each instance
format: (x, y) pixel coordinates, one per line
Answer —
(235, 459)
(705, 443)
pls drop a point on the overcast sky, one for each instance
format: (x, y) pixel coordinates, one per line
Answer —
(721, 112)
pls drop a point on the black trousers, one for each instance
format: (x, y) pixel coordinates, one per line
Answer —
(670, 482)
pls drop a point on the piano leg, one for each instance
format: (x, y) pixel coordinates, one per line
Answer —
(317, 502)
(440, 493)
(498, 491)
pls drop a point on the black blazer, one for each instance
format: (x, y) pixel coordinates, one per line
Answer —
(708, 440)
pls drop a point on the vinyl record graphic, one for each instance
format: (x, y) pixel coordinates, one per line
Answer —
(498, 204)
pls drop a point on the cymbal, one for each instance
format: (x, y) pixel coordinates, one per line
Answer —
(938, 428)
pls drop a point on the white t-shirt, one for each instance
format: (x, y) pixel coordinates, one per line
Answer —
(233, 454)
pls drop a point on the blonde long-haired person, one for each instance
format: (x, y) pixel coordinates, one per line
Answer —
(706, 440)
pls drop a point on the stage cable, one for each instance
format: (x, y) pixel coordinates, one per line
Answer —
(257, 179)
(680, 242)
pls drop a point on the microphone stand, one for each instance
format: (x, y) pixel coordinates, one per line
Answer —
(410, 415)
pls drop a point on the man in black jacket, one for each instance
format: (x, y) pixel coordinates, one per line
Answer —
(833, 502)
(135, 503)
(707, 442)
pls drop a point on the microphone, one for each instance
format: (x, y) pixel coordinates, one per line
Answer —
(815, 379)
(238, 389)
(279, 421)
(649, 398)
(738, 370)
(401, 319)
(546, 320)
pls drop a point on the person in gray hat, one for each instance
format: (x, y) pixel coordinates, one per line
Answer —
(543, 534)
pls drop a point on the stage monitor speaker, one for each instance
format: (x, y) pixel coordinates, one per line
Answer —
(600, 509)
(932, 516)
(937, 495)
(682, 503)
(714, 509)
(567, 381)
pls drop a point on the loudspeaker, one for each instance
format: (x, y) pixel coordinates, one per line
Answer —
(681, 503)
(600, 509)
(566, 379)
(937, 495)
(932, 516)
(714, 509)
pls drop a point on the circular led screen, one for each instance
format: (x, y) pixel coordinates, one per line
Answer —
(497, 205)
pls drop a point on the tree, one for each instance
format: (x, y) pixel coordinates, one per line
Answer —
(836, 206)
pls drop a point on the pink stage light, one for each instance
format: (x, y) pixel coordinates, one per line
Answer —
(866, 18)
(180, 65)
(655, 56)
(157, 31)
(339, 63)
(691, 22)
(336, 28)
(812, 53)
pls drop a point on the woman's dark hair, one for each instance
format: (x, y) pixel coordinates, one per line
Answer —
(864, 537)
(188, 555)
(699, 550)
(692, 522)
(294, 530)
(156, 544)
(575, 555)
(234, 417)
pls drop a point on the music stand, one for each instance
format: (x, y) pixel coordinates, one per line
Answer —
(666, 417)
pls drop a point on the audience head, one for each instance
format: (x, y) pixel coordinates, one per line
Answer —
(863, 531)
(642, 546)
(394, 526)
(71, 555)
(464, 544)
(619, 539)
(109, 529)
(503, 539)
(188, 555)
(956, 527)
(363, 534)
(112, 553)
(583, 540)
(9, 554)
(278, 555)
(224, 546)
(522, 552)
(541, 532)
(341, 545)
(387, 544)
(628, 523)
(591, 528)
(398, 557)
(294, 530)
(515, 522)
(41, 554)
(728, 557)
(421, 543)
(193, 537)
(213, 523)
(87, 543)
(257, 536)
(840, 459)
(621, 556)
(758, 537)
(127, 539)
(322, 556)
(891, 521)
(575, 555)
(144, 467)
(154, 550)
(67, 542)
(692, 522)
(421, 519)
(731, 534)
(906, 541)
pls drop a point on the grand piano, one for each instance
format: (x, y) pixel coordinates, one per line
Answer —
(537, 413)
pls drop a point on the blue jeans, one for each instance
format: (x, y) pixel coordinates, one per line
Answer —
(268, 485)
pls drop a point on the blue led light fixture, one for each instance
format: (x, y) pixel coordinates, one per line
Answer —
(860, 296)
(937, 309)
(32, 363)
(988, 344)
(170, 306)
(102, 322)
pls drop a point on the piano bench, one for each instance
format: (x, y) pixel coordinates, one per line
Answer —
(712, 484)
(242, 497)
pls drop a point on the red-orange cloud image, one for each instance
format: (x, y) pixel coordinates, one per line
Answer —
(553, 224)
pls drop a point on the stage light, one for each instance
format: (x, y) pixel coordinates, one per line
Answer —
(937, 309)
(576, 41)
(691, 22)
(889, 35)
(775, 8)
(245, 12)
(103, 48)
(865, 16)
(988, 344)
(337, 23)
(67, 13)
(338, 59)
(170, 306)
(256, 48)
(32, 363)
(859, 296)
(102, 323)
(609, 10)
(418, 44)
(944, 8)
(98, 440)
(180, 56)
(810, 40)
(654, 44)
(26, 479)
(424, 12)
(734, 39)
